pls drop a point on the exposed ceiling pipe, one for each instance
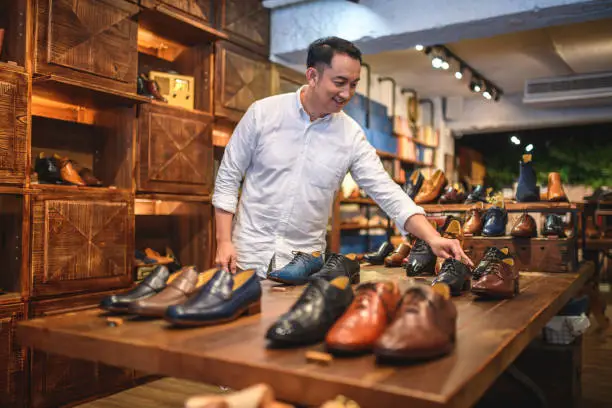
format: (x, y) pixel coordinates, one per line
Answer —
(368, 88)
(389, 79)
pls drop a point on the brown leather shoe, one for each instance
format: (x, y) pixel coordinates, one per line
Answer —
(500, 280)
(366, 318)
(401, 252)
(525, 227)
(473, 221)
(452, 231)
(431, 188)
(68, 173)
(555, 188)
(452, 195)
(176, 292)
(424, 327)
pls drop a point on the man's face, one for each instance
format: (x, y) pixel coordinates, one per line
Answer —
(334, 86)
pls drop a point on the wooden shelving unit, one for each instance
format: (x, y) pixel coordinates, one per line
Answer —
(510, 207)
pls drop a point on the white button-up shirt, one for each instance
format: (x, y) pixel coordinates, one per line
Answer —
(292, 169)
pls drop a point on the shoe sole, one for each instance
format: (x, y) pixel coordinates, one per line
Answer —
(393, 356)
(344, 350)
(286, 282)
(252, 309)
(486, 294)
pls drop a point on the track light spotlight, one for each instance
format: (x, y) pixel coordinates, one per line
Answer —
(475, 85)
(437, 62)
(458, 75)
(419, 47)
(445, 65)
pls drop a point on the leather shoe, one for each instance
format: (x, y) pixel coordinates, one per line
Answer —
(414, 183)
(154, 283)
(526, 190)
(431, 189)
(500, 280)
(366, 319)
(479, 194)
(313, 314)
(421, 260)
(525, 227)
(68, 173)
(299, 269)
(473, 222)
(455, 274)
(452, 195)
(337, 265)
(224, 298)
(495, 220)
(378, 257)
(553, 226)
(400, 253)
(178, 291)
(424, 327)
(555, 188)
(47, 169)
(491, 254)
(452, 230)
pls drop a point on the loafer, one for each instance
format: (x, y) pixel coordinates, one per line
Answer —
(527, 190)
(452, 195)
(313, 314)
(495, 220)
(455, 274)
(378, 257)
(431, 188)
(337, 265)
(154, 283)
(491, 254)
(414, 183)
(297, 272)
(525, 227)
(500, 280)
(224, 298)
(421, 260)
(553, 225)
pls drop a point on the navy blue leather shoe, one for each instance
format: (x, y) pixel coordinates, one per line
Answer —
(495, 220)
(526, 190)
(223, 299)
(299, 269)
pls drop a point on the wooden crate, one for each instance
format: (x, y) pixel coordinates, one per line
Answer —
(247, 22)
(81, 242)
(241, 78)
(91, 41)
(13, 126)
(198, 10)
(55, 380)
(535, 254)
(12, 357)
(176, 151)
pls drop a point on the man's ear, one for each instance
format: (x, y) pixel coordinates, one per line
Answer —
(312, 75)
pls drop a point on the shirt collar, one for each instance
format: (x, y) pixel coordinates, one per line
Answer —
(302, 112)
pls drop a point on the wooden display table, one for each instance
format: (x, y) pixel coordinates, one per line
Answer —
(491, 334)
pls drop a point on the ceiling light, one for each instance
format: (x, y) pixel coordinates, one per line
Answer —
(515, 140)
(419, 47)
(486, 95)
(437, 62)
(445, 65)
(529, 147)
(458, 75)
(475, 85)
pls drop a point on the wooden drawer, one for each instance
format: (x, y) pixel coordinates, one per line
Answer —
(13, 127)
(247, 22)
(56, 380)
(12, 357)
(80, 245)
(535, 255)
(94, 41)
(200, 10)
(242, 77)
(176, 152)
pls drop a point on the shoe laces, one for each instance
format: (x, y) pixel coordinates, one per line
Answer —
(333, 261)
(449, 267)
(299, 256)
(420, 246)
(494, 268)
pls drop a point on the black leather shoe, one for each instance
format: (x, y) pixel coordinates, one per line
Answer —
(553, 226)
(421, 260)
(152, 284)
(478, 194)
(526, 190)
(455, 274)
(222, 299)
(414, 183)
(378, 257)
(490, 255)
(337, 265)
(494, 222)
(313, 314)
(48, 170)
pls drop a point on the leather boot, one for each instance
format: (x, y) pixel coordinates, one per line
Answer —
(414, 183)
(526, 190)
(431, 189)
(555, 188)
(525, 227)
(473, 221)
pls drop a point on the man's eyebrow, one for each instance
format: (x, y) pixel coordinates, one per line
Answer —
(345, 78)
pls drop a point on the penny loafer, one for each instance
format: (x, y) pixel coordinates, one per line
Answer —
(491, 254)
(500, 280)
(455, 274)
(337, 265)
(313, 314)
(525, 227)
(371, 311)
(431, 189)
(224, 298)
(297, 272)
(152, 284)
(378, 257)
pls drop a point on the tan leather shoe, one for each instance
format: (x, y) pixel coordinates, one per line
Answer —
(525, 227)
(500, 280)
(400, 253)
(431, 189)
(366, 318)
(176, 292)
(68, 173)
(555, 188)
(452, 231)
(473, 221)
(150, 253)
(425, 326)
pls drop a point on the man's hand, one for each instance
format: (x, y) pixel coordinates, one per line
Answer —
(226, 256)
(449, 248)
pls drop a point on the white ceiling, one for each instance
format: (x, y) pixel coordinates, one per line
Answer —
(506, 60)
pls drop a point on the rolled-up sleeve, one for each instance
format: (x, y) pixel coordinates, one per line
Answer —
(236, 160)
(369, 173)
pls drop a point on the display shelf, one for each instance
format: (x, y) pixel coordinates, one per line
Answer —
(52, 109)
(5, 66)
(167, 206)
(391, 156)
(10, 298)
(416, 141)
(598, 244)
(72, 191)
(511, 238)
(173, 197)
(510, 207)
(12, 190)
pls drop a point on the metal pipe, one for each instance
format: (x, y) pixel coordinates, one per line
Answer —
(389, 79)
(368, 89)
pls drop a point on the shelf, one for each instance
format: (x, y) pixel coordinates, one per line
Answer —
(77, 191)
(77, 93)
(179, 108)
(391, 156)
(511, 238)
(595, 244)
(386, 155)
(416, 141)
(52, 109)
(173, 197)
(12, 190)
(174, 26)
(144, 206)
(10, 297)
(510, 207)
(5, 66)
(159, 47)
(366, 201)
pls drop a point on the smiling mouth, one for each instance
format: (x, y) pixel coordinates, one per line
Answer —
(339, 101)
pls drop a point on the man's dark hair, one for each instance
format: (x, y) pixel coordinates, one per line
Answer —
(323, 50)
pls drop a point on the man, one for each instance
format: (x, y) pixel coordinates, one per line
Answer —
(293, 150)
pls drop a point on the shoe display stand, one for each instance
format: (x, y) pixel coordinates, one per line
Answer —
(490, 336)
(71, 90)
